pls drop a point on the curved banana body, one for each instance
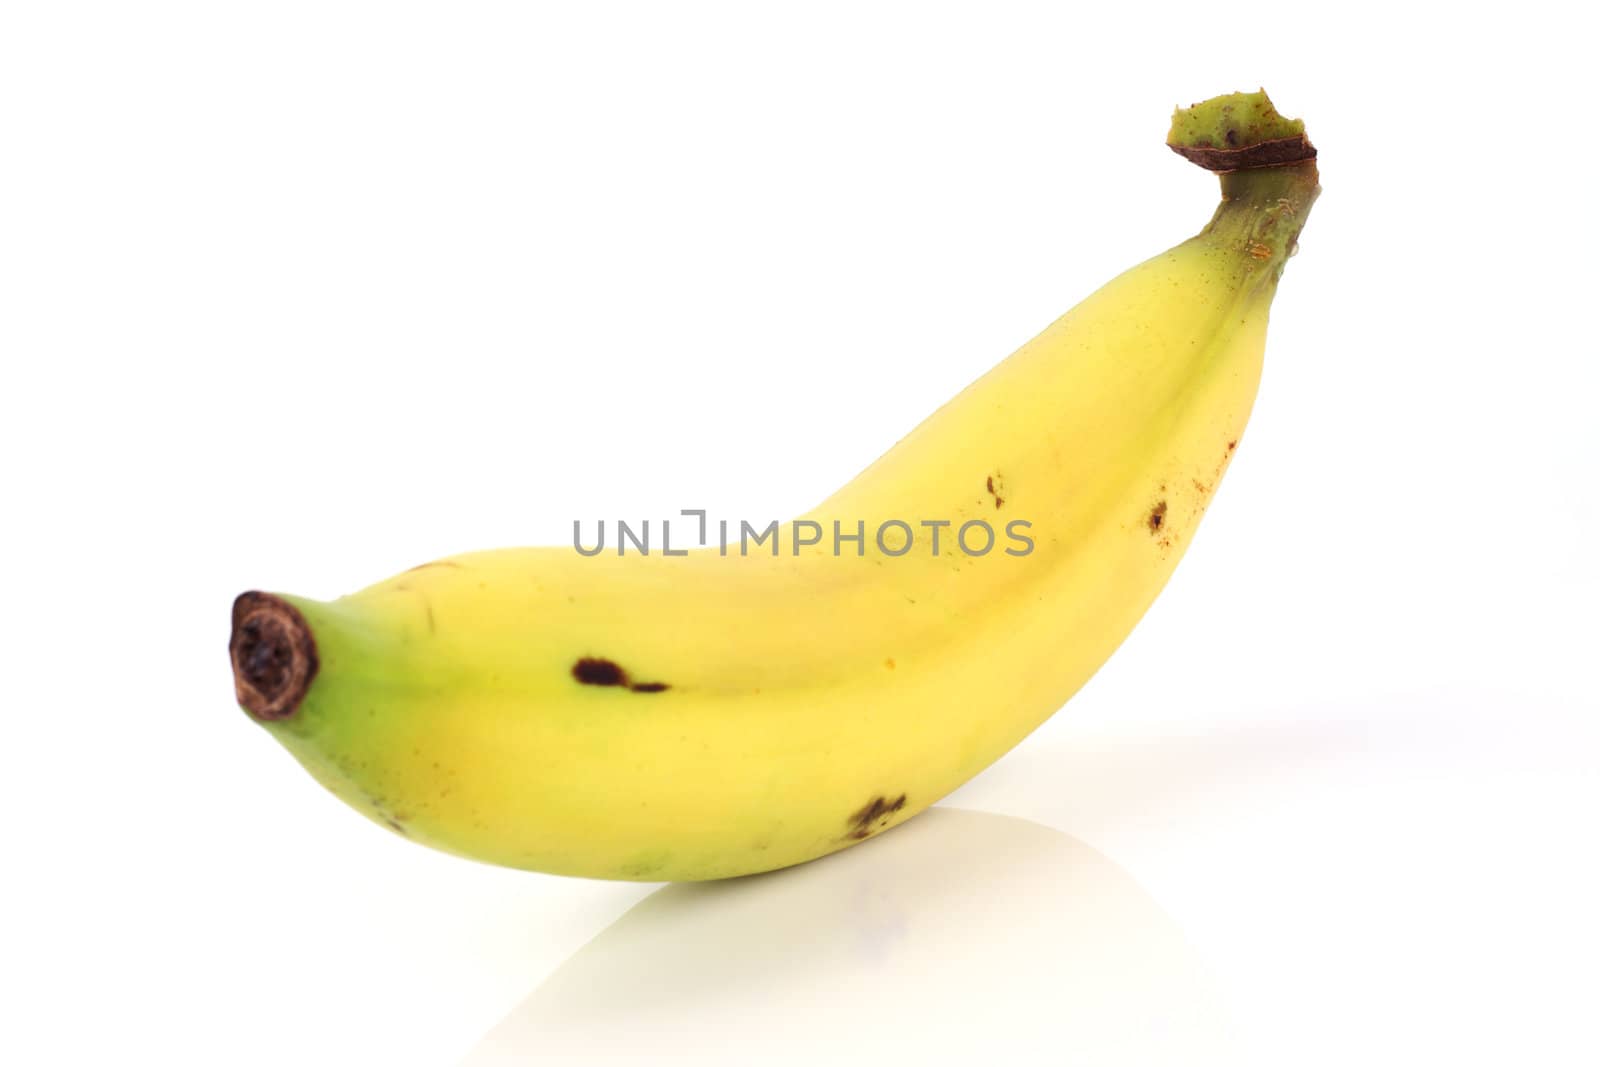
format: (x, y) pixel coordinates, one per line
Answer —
(688, 717)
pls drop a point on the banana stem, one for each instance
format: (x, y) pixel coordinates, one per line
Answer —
(1263, 211)
(1268, 170)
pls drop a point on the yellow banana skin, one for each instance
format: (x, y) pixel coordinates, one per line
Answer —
(662, 718)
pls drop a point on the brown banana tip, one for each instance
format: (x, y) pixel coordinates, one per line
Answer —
(1276, 153)
(273, 654)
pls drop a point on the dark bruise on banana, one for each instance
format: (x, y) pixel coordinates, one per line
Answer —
(996, 486)
(1159, 518)
(593, 670)
(874, 816)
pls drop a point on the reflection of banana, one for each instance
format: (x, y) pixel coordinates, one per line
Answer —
(688, 717)
(1033, 948)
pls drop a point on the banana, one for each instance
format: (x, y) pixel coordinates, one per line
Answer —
(684, 717)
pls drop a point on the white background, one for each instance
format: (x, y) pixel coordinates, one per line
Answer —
(296, 295)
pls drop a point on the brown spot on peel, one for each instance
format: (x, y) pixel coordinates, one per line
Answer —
(877, 811)
(1158, 515)
(591, 670)
(273, 654)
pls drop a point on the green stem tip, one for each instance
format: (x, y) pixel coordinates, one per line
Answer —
(1239, 131)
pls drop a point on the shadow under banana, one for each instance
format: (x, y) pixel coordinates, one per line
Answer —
(957, 935)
